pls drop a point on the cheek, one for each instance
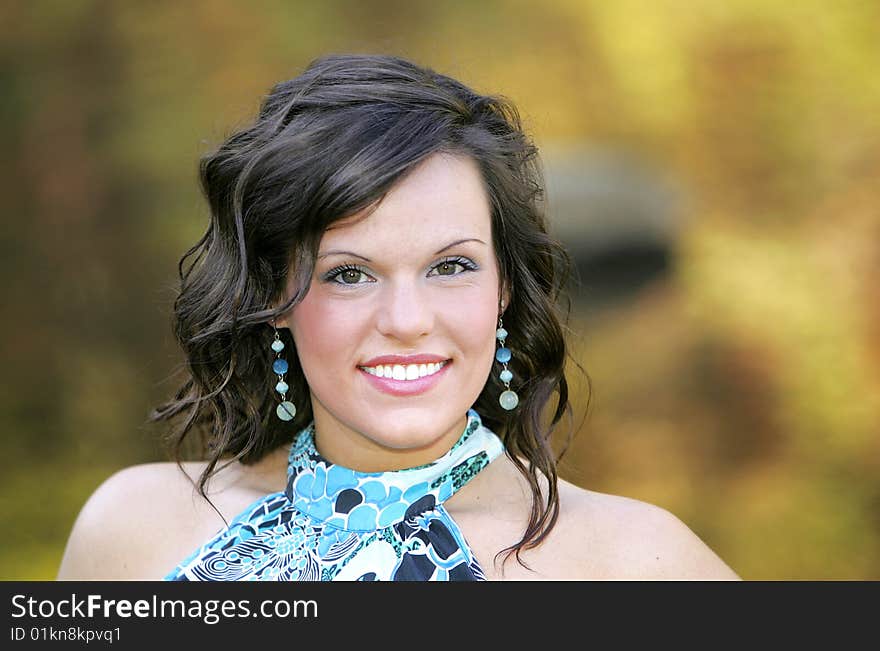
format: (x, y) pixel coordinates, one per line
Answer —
(479, 331)
(470, 321)
(321, 328)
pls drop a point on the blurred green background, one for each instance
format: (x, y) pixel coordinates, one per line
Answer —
(713, 167)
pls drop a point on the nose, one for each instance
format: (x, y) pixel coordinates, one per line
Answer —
(405, 312)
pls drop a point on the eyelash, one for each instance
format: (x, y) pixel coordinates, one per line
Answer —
(331, 275)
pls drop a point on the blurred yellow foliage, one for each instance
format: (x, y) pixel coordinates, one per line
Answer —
(741, 390)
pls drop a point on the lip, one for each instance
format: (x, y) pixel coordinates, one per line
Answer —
(418, 358)
(405, 387)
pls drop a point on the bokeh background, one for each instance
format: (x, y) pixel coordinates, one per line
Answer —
(713, 166)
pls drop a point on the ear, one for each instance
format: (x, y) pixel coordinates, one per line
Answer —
(281, 321)
(503, 300)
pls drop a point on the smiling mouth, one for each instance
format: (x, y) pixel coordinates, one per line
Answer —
(405, 372)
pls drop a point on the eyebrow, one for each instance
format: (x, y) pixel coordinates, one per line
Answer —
(357, 255)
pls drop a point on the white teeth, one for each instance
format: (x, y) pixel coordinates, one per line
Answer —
(401, 372)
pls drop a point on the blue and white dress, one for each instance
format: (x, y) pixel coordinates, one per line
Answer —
(336, 524)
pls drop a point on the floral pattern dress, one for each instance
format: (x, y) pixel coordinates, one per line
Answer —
(333, 523)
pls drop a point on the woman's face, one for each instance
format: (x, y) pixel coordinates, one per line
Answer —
(417, 278)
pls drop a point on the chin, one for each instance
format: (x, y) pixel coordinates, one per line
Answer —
(420, 430)
(408, 438)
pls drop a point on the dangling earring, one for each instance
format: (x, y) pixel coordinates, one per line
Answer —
(509, 400)
(286, 410)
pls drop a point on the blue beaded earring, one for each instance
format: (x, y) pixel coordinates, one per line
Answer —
(286, 410)
(509, 400)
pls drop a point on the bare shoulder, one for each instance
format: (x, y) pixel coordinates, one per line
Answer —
(597, 536)
(616, 537)
(143, 520)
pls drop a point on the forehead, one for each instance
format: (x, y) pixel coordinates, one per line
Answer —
(443, 196)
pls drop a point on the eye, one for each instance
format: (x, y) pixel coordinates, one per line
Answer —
(447, 267)
(347, 275)
(350, 276)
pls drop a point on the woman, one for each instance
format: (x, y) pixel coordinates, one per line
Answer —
(373, 339)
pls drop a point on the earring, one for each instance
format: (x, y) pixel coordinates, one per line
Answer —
(286, 410)
(509, 400)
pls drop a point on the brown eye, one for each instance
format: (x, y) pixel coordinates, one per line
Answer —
(446, 268)
(453, 267)
(350, 276)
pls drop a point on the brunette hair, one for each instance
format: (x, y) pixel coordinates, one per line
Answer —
(326, 145)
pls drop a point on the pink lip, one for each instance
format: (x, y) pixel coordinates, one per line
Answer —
(406, 387)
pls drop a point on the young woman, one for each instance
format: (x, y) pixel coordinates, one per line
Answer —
(373, 338)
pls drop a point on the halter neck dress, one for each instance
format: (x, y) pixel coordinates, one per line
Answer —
(336, 524)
